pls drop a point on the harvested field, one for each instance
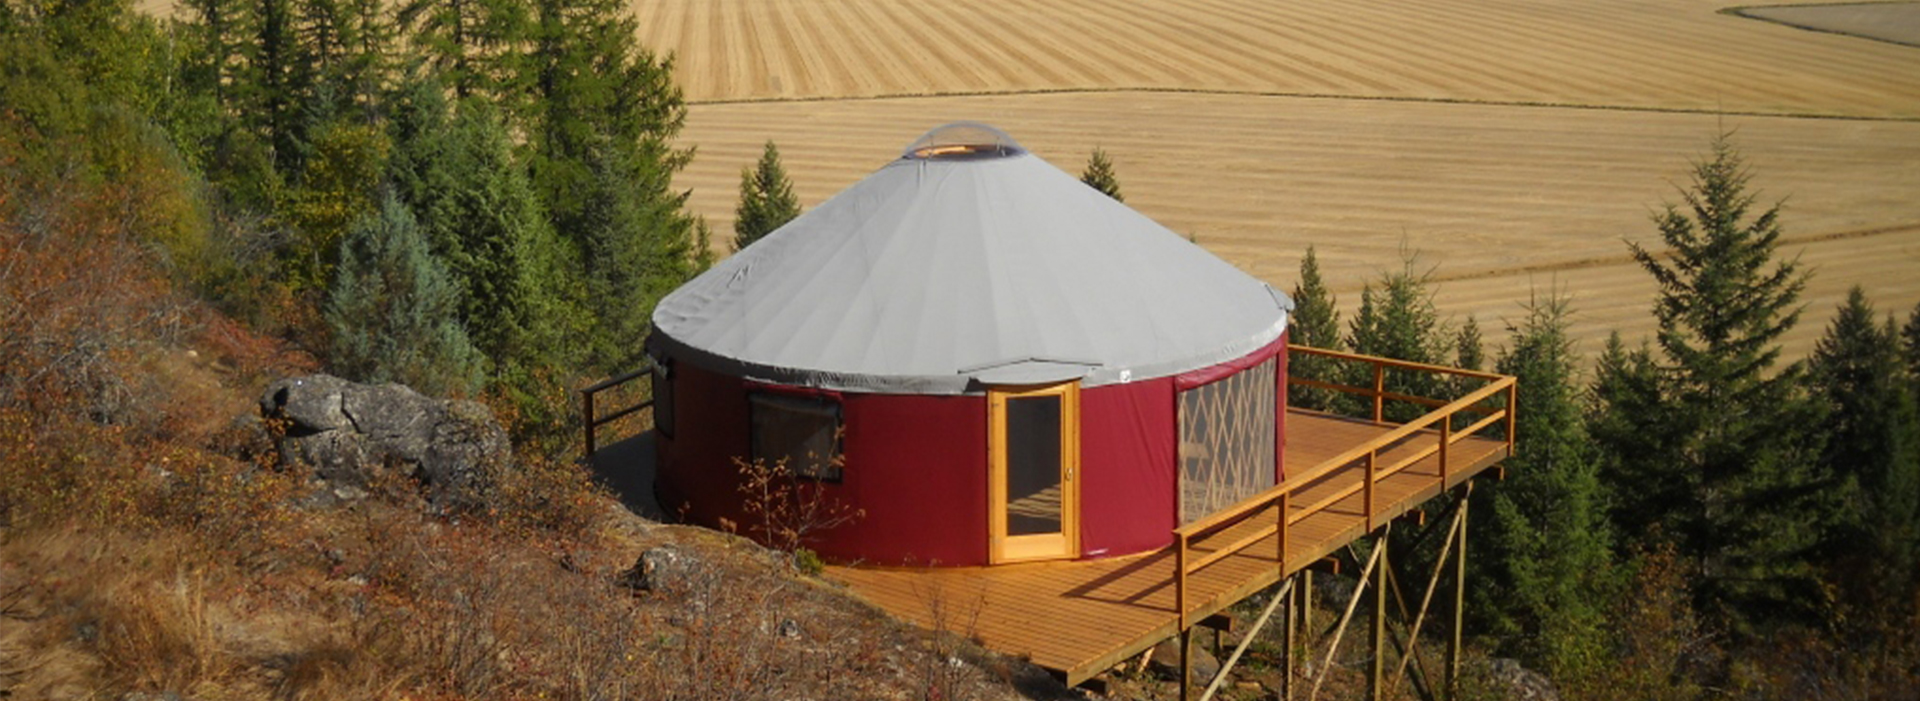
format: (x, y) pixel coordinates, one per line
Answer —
(1499, 200)
(1897, 22)
(1663, 54)
(1515, 145)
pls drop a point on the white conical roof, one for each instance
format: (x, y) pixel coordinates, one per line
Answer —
(962, 265)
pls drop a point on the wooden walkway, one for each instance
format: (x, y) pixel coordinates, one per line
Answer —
(1081, 618)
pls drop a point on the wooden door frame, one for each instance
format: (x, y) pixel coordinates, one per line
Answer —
(1003, 548)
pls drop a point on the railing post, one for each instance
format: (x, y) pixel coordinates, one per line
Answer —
(586, 397)
(1446, 439)
(1371, 460)
(1379, 391)
(1280, 547)
(1512, 406)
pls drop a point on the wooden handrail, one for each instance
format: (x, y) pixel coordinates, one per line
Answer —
(1281, 495)
(590, 422)
(1393, 363)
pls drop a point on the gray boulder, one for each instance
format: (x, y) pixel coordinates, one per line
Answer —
(1522, 684)
(1166, 660)
(663, 569)
(350, 433)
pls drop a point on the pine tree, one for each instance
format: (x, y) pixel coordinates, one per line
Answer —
(1099, 175)
(766, 199)
(393, 309)
(1743, 495)
(600, 127)
(1543, 583)
(1398, 320)
(1872, 449)
(1316, 323)
(476, 45)
(455, 167)
(1910, 343)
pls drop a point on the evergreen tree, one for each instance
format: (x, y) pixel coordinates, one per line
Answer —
(1872, 449)
(1099, 175)
(477, 209)
(1467, 350)
(1726, 462)
(766, 200)
(393, 309)
(1910, 344)
(1542, 585)
(1315, 322)
(1398, 320)
(477, 45)
(601, 127)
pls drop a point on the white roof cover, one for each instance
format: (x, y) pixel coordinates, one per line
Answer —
(955, 268)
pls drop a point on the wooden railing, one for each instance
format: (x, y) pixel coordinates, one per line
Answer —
(590, 422)
(1280, 497)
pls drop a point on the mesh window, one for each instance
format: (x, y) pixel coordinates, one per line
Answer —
(1226, 441)
(802, 432)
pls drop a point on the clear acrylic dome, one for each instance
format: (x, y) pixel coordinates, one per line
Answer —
(963, 140)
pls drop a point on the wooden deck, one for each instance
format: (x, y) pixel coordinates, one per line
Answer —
(1081, 618)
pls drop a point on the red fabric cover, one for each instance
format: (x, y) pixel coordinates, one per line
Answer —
(1127, 450)
(918, 466)
(696, 471)
(1215, 373)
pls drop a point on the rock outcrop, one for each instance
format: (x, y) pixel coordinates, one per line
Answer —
(351, 434)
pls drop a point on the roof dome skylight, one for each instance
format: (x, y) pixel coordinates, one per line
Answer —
(963, 140)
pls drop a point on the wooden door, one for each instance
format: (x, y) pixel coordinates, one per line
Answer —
(1033, 452)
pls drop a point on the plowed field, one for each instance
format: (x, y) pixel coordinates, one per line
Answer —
(1514, 145)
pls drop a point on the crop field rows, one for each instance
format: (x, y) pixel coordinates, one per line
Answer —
(1514, 146)
(1644, 53)
(1498, 201)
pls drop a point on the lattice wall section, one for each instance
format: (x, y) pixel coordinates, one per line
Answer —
(1226, 441)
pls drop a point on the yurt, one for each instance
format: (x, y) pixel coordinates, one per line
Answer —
(984, 358)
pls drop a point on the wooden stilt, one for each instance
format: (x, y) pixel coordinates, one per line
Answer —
(1287, 640)
(1220, 678)
(1186, 663)
(1376, 664)
(1459, 596)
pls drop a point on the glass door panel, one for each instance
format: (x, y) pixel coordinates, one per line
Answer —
(1033, 455)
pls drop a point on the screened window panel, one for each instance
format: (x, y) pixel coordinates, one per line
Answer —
(802, 432)
(1226, 441)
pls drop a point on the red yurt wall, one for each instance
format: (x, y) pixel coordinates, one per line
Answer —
(1126, 468)
(917, 465)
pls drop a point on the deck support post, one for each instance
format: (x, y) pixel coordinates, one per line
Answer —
(1287, 637)
(1377, 659)
(1186, 663)
(1306, 606)
(1459, 595)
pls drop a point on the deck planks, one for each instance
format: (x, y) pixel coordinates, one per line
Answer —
(1078, 618)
